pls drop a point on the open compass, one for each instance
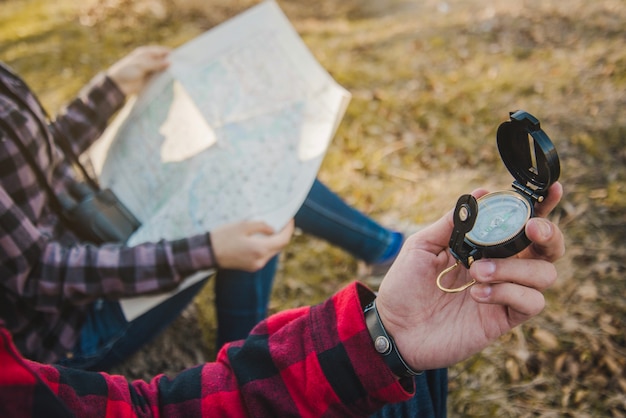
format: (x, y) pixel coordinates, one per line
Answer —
(493, 225)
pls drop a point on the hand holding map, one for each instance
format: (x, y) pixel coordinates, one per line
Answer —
(235, 129)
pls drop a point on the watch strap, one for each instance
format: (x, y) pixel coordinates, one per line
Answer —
(384, 343)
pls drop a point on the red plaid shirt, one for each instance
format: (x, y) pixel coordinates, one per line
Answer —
(309, 362)
(48, 277)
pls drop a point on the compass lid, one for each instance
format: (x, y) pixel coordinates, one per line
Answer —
(528, 153)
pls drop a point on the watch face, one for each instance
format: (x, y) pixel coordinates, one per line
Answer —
(501, 217)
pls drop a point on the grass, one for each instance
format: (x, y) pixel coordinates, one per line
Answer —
(431, 81)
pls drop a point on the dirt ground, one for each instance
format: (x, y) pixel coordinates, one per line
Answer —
(431, 80)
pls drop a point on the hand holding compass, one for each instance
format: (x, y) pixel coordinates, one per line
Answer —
(493, 225)
(432, 329)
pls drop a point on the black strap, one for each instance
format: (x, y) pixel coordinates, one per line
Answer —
(385, 345)
(60, 138)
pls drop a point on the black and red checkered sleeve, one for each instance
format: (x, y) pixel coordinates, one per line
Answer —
(309, 362)
(316, 361)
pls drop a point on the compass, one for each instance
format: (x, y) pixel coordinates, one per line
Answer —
(493, 226)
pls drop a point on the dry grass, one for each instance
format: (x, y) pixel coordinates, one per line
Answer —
(431, 82)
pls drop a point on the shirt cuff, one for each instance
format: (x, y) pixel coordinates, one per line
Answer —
(111, 98)
(369, 366)
(193, 254)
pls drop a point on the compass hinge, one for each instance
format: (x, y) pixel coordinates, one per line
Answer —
(535, 197)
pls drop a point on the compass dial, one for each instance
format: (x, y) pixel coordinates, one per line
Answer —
(501, 217)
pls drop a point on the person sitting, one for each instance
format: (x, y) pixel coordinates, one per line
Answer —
(60, 294)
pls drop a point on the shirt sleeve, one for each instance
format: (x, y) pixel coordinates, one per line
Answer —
(49, 273)
(85, 118)
(308, 362)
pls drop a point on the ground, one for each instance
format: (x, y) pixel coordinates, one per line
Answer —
(431, 81)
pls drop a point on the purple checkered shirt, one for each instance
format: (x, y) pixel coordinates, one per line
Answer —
(48, 277)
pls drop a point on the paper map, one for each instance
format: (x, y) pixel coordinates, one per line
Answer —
(235, 129)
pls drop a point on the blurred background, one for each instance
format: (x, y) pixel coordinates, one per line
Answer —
(431, 81)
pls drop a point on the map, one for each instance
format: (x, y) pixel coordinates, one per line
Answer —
(235, 129)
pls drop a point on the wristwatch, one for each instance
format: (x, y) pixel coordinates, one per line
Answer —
(385, 345)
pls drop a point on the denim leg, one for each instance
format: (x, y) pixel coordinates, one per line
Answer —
(429, 401)
(107, 339)
(241, 300)
(324, 215)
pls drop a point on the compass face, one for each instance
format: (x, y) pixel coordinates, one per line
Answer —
(501, 217)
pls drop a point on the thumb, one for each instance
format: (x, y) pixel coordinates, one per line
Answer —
(438, 233)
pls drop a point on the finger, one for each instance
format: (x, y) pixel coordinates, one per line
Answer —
(478, 193)
(537, 274)
(275, 242)
(547, 239)
(522, 302)
(159, 54)
(258, 227)
(156, 61)
(150, 51)
(159, 50)
(290, 226)
(283, 237)
(434, 237)
(149, 59)
(555, 193)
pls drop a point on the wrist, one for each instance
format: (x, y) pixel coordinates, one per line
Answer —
(385, 345)
(213, 259)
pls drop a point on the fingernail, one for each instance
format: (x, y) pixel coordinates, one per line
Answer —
(481, 291)
(483, 269)
(544, 228)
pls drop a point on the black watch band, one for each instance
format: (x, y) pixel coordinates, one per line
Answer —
(384, 343)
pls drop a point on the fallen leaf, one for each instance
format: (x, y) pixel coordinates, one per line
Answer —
(588, 291)
(546, 339)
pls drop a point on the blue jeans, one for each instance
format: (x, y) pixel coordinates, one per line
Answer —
(429, 401)
(241, 298)
(107, 339)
